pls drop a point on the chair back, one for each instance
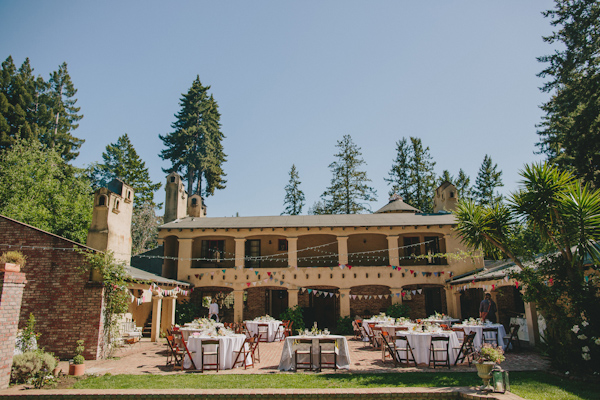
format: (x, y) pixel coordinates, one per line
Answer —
(400, 328)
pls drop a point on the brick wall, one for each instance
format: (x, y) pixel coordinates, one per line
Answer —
(509, 304)
(366, 307)
(11, 293)
(67, 307)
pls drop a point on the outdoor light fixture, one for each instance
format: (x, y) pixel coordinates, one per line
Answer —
(500, 377)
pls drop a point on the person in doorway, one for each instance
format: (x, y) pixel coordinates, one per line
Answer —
(487, 309)
(213, 310)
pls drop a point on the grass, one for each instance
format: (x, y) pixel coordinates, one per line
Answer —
(529, 385)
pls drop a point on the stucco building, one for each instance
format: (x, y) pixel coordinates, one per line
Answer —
(331, 265)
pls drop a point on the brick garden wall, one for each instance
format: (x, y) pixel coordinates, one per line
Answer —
(67, 307)
(366, 307)
(11, 293)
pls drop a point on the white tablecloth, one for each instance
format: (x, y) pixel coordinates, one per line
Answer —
(227, 346)
(377, 321)
(442, 321)
(272, 327)
(478, 329)
(420, 341)
(287, 355)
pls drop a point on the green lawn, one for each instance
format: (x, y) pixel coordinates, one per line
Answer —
(529, 385)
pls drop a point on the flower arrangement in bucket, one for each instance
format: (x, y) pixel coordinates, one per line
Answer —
(485, 359)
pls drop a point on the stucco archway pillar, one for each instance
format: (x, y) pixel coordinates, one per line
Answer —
(156, 317)
(184, 264)
(292, 251)
(533, 331)
(344, 302)
(453, 303)
(238, 305)
(342, 249)
(168, 314)
(240, 251)
(292, 297)
(393, 251)
(396, 295)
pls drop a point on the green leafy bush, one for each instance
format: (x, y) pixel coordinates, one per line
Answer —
(344, 326)
(398, 311)
(30, 365)
(187, 311)
(294, 314)
(79, 359)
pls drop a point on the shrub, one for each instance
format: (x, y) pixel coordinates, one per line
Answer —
(398, 311)
(344, 326)
(30, 365)
(13, 257)
(78, 359)
(294, 314)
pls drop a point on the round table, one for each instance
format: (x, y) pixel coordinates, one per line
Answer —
(272, 327)
(420, 341)
(228, 345)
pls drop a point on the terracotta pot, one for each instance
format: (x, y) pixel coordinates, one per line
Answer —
(8, 267)
(76, 369)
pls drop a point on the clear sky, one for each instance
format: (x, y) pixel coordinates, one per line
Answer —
(292, 77)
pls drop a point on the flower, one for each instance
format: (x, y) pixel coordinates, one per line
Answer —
(586, 356)
(489, 353)
(575, 328)
(597, 341)
(585, 323)
(581, 337)
(585, 349)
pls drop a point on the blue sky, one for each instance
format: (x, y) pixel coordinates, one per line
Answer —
(291, 78)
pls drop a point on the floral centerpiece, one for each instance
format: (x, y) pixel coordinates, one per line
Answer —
(473, 321)
(266, 318)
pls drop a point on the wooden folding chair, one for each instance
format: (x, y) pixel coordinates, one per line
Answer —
(246, 353)
(466, 349)
(444, 342)
(512, 338)
(279, 333)
(491, 337)
(177, 351)
(330, 350)
(255, 349)
(388, 349)
(263, 332)
(356, 328)
(460, 334)
(303, 352)
(182, 345)
(404, 347)
(288, 329)
(206, 353)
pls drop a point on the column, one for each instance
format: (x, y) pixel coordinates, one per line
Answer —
(156, 317)
(453, 303)
(342, 249)
(184, 263)
(168, 314)
(238, 305)
(533, 330)
(240, 251)
(12, 284)
(345, 303)
(393, 252)
(292, 297)
(292, 251)
(396, 295)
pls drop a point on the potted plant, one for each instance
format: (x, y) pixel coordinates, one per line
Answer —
(485, 359)
(12, 261)
(77, 366)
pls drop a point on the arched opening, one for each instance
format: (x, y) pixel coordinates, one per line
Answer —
(102, 200)
(369, 300)
(425, 300)
(321, 305)
(269, 300)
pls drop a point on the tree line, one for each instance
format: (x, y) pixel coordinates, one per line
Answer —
(411, 176)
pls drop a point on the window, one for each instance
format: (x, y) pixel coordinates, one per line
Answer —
(194, 201)
(283, 245)
(213, 250)
(451, 194)
(102, 200)
(252, 250)
(414, 249)
(172, 179)
(432, 246)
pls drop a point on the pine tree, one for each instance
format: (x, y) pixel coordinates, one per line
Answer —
(294, 196)
(144, 228)
(195, 147)
(445, 177)
(348, 190)
(488, 179)
(121, 161)
(412, 175)
(462, 182)
(65, 117)
(399, 175)
(570, 130)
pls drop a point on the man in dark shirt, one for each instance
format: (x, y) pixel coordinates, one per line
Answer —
(488, 307)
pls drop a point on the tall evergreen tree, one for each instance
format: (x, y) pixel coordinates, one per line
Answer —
(445, 177)
(194, 147)
(488, 179)
(121, 161)
(348, 191)
(462, 182)
(412, 175)
(65, 117)
(31, 108)
(294, 196)
(570, 130)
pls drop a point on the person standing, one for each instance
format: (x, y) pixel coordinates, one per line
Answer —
(213, 310)
(487, 309)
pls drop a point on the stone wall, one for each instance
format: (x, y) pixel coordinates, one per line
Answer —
(66, 305)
